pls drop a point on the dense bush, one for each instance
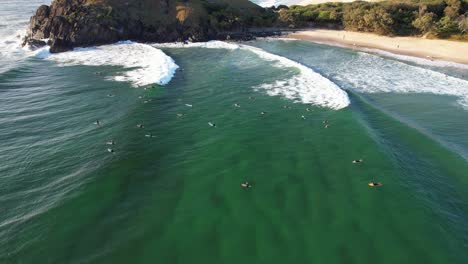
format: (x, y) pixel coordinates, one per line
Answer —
(225, 18)
(441, 18)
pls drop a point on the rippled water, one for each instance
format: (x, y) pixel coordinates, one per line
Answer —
(170, 191)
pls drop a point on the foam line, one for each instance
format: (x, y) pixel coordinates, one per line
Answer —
(417, 60)
(307, 86)
(144, 64)
(370, 73)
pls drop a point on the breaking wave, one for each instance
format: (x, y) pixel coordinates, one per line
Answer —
(144, 64)
(307, 86)
(370, 73)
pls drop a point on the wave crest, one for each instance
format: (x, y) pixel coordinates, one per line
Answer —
(368, 73)
(146, 64)
(307, 86)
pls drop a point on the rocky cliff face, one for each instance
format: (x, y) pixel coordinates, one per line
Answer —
(72, 23)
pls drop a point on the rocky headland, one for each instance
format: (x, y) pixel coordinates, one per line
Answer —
(66, 24)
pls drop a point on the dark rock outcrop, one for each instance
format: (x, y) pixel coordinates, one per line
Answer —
(72, 23)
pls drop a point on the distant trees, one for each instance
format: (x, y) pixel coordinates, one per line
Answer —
(225, 18)
(299, 16)
(425, 21)
(378, 20)
(441, 18)
(449, 24)
(452, 10)
(463, 24)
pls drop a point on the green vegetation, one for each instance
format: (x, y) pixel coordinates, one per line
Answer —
(434, 18)
(224, 17)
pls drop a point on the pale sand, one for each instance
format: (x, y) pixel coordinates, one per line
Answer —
(435, 49)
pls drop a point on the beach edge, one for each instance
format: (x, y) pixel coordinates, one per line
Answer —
(433, 49)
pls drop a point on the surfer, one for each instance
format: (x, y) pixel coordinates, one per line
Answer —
(237, 105)
(112, 142)
(110, 95)
(263, 113)
(110, 150)
(246, 184)
(150, 135)
(358, 161)
(374, 184)
(140, 126)
(326, 126)
(212, 124)
(303, 117)
(307, 109)
(97, 122)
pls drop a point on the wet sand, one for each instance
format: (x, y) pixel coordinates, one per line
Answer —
(434, 49)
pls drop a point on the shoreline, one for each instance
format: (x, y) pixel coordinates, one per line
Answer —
(432, 49)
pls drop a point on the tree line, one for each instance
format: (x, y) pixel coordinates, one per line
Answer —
(433, 18)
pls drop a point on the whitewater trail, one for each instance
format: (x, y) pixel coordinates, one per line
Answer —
(146, 64)
(143, 63)
(370, 73)
(417, 60)
(308, 86)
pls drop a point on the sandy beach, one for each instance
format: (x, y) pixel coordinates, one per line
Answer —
(434, 49)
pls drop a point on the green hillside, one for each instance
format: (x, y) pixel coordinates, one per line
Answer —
(431, 18)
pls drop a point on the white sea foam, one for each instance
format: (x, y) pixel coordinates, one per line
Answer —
(421, 61)
(370, 73)
(269, 3)
(11, 51)
(207, 45)
(307, 86)
(143, 63)
(417, 60)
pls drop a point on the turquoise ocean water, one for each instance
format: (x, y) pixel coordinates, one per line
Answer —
(170, 190)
